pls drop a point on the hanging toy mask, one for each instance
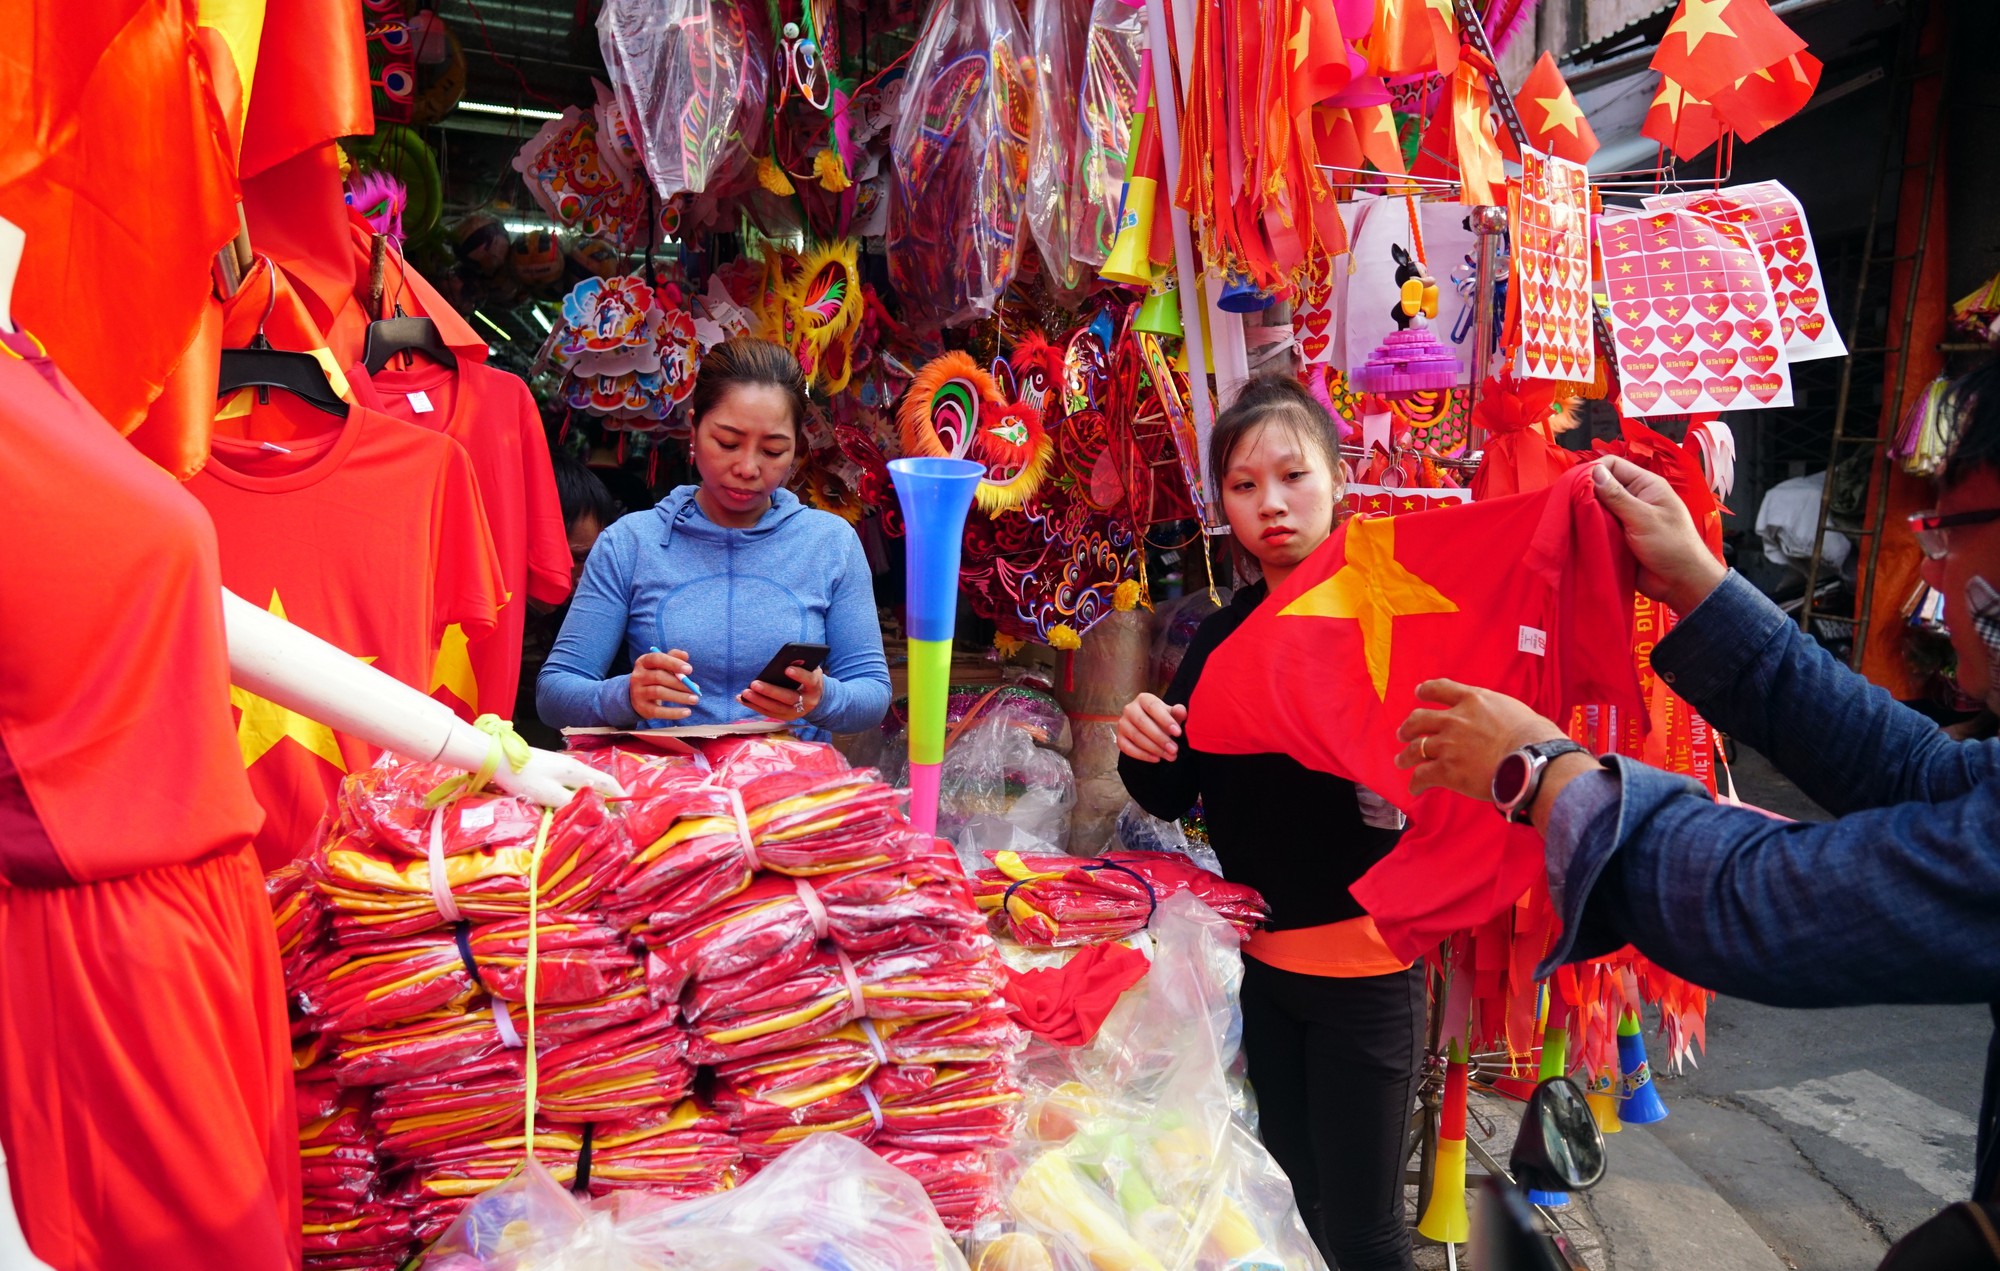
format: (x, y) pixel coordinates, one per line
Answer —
(955, 410)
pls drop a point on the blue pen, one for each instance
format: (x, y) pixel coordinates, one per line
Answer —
(686, 680)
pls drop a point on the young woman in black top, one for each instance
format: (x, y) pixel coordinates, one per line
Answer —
(1332, 1021)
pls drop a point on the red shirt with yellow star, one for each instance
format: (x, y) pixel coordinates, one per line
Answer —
(491, 414)
(370, 534)
(117, 753)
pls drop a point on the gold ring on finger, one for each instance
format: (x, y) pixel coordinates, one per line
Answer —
(1424, 746)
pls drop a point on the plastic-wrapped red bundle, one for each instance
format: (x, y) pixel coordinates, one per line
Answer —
(470, 1035)
(811, 823)
(337, 1161)
(919, 899)
(833, 989)
(958, 1109)
(297, 913)
(377, 891)
(738, 761)
(960, 1184)
(759, 936)
(613, 1074)
(391, 804)
(344, 1222)
(362, 986)
(1062, 900)
(772, 1087)
(688, 854)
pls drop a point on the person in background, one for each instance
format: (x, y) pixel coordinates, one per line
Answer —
(703, 590)
(1333, 1022)
(1898, 900)
(587, 509)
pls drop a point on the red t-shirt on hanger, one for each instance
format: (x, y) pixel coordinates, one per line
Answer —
(492, 414)
(371, 535)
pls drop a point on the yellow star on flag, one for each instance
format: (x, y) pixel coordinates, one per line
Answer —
(1560, 111)
(1301, 42)
(452, 668)
(265, 723)
(1374, 589)
(1699, 19)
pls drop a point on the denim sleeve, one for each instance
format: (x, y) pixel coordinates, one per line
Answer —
(857, 674)
(571, 691)
(1894, 904)
(1849, 745)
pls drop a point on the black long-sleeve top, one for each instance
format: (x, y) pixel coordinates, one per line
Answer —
(1294, 834)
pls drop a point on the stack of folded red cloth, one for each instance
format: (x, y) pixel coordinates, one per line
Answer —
(758, 906)
(348, 1224)
(1061, 901)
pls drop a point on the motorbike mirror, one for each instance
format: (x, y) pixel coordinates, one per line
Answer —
(1559, 1148)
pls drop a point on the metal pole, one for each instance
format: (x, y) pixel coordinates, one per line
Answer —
(1488, 224)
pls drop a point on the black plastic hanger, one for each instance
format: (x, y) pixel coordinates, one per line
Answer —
(264, 368)
(387, 336)
(401, 334)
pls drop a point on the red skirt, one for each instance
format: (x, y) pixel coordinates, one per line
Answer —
(145, 1072)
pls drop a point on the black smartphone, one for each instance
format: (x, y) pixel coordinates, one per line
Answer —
(807, 657)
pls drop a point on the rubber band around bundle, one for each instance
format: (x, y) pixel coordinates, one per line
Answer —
(815, 910)
(510, 1037)
(1152, 897)
(874, 1106)
(875, 1042)
(440, 883)
(854, 992)
(461, 935)
(742, 816)
(580, 1186)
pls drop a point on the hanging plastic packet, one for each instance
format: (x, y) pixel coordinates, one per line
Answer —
(960, 151)
(1052, 138)
(683, 69)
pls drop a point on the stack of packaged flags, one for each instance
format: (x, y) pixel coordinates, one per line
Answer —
(758, 907)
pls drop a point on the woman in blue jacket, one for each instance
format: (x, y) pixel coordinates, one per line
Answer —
(721, 576)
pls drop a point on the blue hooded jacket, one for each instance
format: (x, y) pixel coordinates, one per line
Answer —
(673, 579)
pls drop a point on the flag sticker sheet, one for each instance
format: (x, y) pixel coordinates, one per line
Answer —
(1777, 225)
(1693, 315)
(1551, 274)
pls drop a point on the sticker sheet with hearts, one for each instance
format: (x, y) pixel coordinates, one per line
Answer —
(1551, 272)
(1693, 315)
(1312, 323)
(1777, 225)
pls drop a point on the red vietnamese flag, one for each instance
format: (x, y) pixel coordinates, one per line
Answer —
(113, 160)
(1529, 595)
(1554, 121)
(1710, 44)
(1767, 98)
(1682, 125)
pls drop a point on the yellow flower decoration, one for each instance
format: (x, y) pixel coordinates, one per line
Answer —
(772, 177)
(1125, 596)
(1063, 636)
(1008, 645)
(827, 168)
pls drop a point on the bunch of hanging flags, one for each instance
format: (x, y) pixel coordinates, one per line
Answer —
(758, 907)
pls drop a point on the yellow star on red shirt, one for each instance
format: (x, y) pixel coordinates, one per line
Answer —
(1374, 589)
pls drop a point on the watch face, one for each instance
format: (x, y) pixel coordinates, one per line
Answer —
(1510, 779)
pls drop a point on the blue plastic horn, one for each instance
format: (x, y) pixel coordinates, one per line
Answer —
(935, 494)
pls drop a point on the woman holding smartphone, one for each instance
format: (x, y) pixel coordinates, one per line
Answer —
(1333, 1022)
(702, 591)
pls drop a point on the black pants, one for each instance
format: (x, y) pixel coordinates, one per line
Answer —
(1334, 1063)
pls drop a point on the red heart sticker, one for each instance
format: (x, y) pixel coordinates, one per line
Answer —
(1764, 387)
(1673, 309)
(1316, 321)
(1806, 301)
(1723, 391)
(1677, 337)
(1748, 303)
(1761, 359)
(1755, 331)
(1811, 326)
(1769, 251)
(1680, 365)
(1715, 334)
(1640, 368)
(1799, 274)
(1718, 361)
(1786, 326)
(1637, 338)
(1642, 395)
(1314, 345)
(1632, 312)
(1684, 393)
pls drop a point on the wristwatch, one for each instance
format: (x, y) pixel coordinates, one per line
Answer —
(1519, 777)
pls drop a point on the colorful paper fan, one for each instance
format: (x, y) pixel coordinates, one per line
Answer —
(823, 303)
